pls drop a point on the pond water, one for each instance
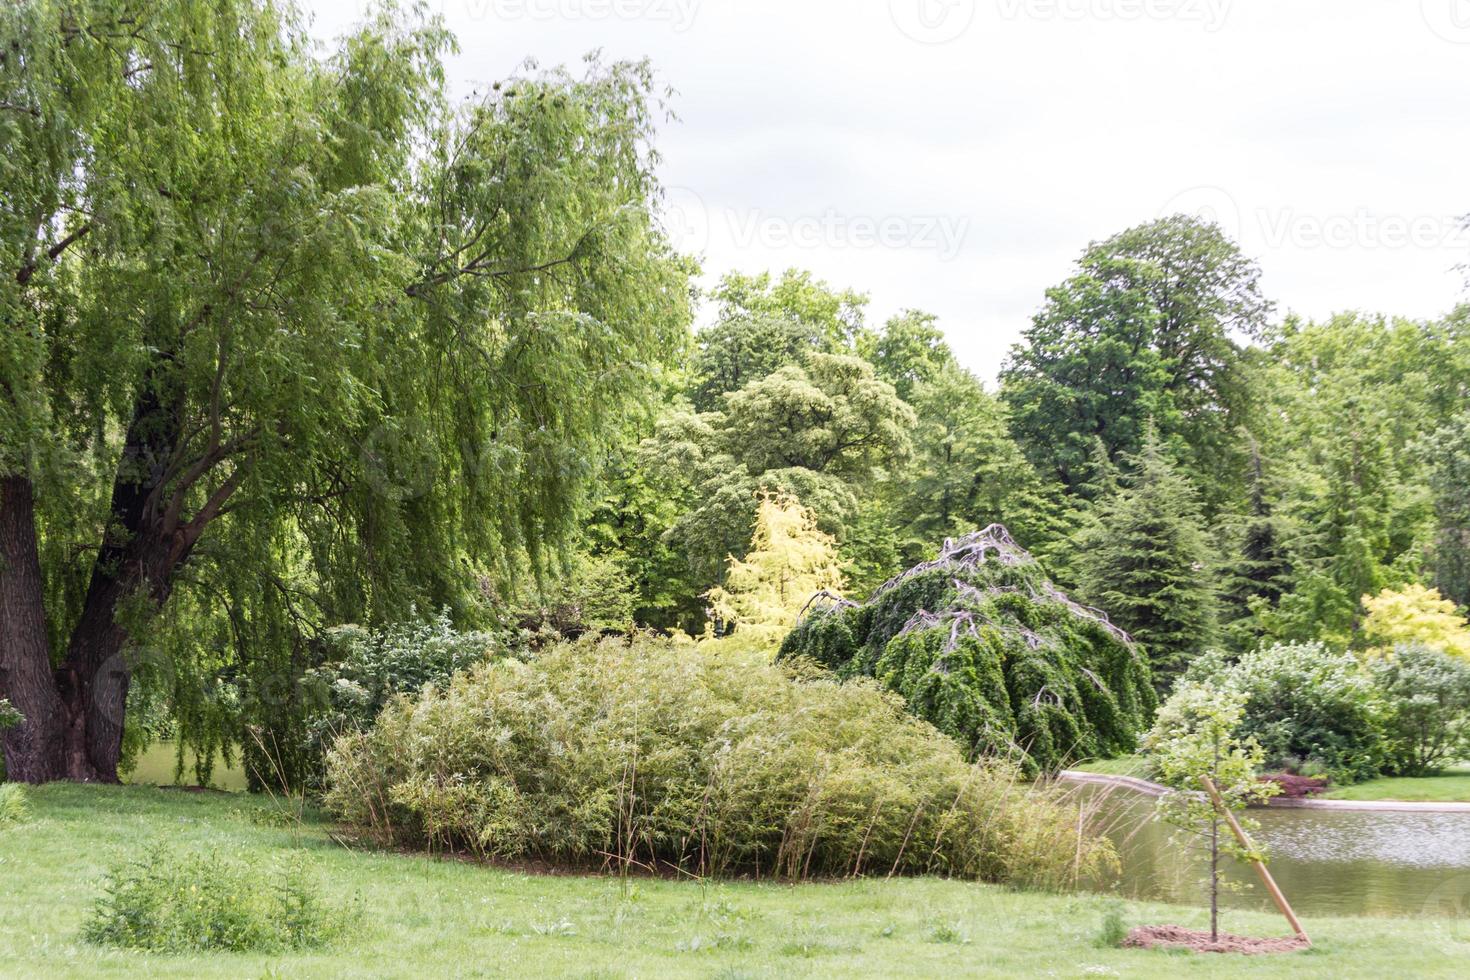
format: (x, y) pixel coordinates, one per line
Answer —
(1328, 862)
(156, 765)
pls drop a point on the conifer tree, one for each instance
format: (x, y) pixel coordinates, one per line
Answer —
(1145, 560)
(1261, 571)
(790, 560)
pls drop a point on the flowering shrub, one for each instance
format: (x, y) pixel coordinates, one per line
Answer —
(1426, 708)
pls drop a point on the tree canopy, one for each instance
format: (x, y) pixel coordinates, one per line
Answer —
(294, 333)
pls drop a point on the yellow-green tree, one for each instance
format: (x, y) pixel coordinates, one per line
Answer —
(789, 561)
(1415, 614)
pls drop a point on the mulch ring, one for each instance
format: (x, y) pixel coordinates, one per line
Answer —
(1147, 937)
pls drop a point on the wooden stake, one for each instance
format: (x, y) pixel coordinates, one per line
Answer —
(1250, 848)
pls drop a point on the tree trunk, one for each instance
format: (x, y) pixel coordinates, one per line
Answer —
(74, 714)
(33, 750)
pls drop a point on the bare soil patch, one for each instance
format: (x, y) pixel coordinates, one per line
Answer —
(1147, 937)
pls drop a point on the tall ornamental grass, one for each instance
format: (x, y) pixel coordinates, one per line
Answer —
(646, 755)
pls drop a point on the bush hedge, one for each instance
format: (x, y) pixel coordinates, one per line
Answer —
(644, 754)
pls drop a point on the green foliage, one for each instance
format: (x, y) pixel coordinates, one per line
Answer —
(291, 318)
(169, 902)
(593, 595)
(909, 351)
(966, 471)
(647, 754)
(1307, 706)
(789, 561)
(814, 432)
(1416, 615)
(1349, 402)
(1146, 560)
(981, 644)
(15, 806)
(1112, 928)
(1448, 451)
(9, 716)
(1195, 738)
(1260, 572)
(1426, 708)
(367, 668)
(1143, 332)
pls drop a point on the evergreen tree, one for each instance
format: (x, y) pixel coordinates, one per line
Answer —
(1146, 561)
(1261, 571)
(1449, 482)
(789, 561)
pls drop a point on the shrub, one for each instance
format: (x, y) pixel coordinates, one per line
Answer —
(15, 806)
(1309, 707)
(595, 595)
(1415, 614)
(178, 903)
(10, 716)
(644, 754)
(369, 667)
(1426, 708)
(982, 645)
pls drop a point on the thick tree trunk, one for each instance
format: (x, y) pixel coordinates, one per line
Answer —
(33, 751)
(139, 553)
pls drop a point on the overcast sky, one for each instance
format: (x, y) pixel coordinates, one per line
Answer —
(957, 155)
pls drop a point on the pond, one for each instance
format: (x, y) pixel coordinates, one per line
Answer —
(1328, 862)
(155, 766)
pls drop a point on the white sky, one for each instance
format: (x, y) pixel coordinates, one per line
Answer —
(957, 155)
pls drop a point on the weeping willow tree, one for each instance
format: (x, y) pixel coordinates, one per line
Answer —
(981, 644)
(287, 339)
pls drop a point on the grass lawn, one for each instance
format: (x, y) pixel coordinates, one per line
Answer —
(1128, 765)
(444, 918)
(1451, 786)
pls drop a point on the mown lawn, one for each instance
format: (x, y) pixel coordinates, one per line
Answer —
(1126, 765)
(445, 918)
(1451, 786)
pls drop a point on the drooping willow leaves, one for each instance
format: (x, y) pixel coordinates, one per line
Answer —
(984, 646)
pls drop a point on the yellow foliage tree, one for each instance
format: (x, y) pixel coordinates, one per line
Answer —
(790, 560)
(1415, 614)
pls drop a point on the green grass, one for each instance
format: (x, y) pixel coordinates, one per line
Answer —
(446, 918)
(1451, 786)
(1128, 765)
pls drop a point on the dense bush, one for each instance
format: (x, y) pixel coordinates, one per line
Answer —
(1310, 708)
(655, 755)
(174, 903)
(369, 667)
(1426, 708)
(982, 645)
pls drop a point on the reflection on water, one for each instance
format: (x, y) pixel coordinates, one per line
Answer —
(1328, 862)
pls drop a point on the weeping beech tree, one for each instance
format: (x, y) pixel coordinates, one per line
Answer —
(287, 338)
(981, 644)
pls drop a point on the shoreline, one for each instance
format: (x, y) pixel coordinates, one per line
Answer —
(1148, 788)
